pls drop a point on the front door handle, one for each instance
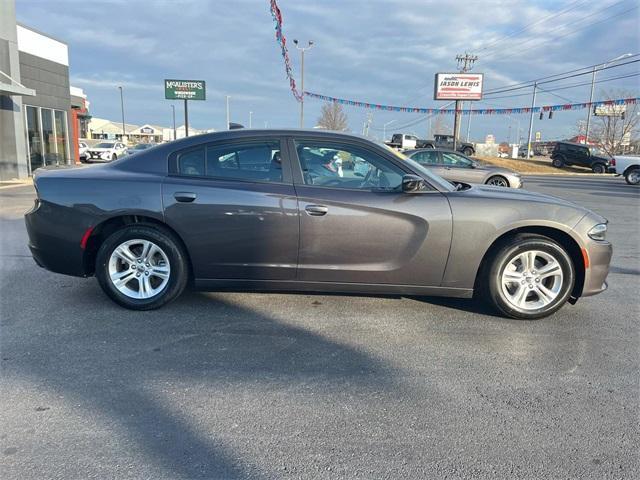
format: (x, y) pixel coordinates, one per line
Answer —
(316, 210)
(185, 197)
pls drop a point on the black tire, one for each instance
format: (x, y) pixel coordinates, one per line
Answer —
(114, 157)
(468, 152)
(171, 246)
(632, 176)
(599, 168)
(497, 181)
(491, 289)
(558, 162)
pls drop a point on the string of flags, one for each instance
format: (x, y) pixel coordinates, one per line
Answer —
(282, 41)
(475, 111)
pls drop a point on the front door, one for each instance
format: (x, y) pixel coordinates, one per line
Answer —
(356, 226)
(460, 169)
(235, 207)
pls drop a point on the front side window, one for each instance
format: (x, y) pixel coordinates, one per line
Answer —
(455, 160)
(346, 166)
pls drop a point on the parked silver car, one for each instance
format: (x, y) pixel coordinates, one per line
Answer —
(457, 167)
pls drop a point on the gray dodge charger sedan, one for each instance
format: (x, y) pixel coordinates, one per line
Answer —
(296, 210)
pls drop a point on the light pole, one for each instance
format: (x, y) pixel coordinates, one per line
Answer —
(533, 104)
(173, 114)
(384, 130)
(302, 50)
(228, 120)
(122, 108)
(593, 81)
(250, 118)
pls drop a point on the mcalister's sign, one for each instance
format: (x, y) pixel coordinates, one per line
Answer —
(184, 90)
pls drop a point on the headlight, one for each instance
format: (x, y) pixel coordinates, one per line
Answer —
(598, 232)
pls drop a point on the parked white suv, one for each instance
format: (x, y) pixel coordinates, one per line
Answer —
(106, 151)
(627, 166)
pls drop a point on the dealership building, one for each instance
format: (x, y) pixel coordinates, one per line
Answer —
(39, 117)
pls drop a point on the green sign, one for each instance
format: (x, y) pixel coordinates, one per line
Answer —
(184, 90)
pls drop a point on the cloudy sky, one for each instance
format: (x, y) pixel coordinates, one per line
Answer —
(379, 51)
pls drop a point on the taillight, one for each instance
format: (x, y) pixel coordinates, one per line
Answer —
(612, 162)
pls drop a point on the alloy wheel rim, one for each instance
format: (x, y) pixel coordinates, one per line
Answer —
(139, 269)
(532, 280)
(498, 182)
(634, 177)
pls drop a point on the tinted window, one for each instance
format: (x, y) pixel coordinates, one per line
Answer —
(454, 160)
(191, 163)
(255, 161)
(346, 166)
(427, 157)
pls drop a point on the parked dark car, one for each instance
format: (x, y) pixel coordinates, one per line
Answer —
(569, 153)
(298, 210)
(139, 147)
(456, 167)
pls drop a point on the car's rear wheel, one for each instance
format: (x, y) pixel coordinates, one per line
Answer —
(632, 176)
(498, 181)
(598, 168)
(558, 162)
(529, 277)
(141, 267)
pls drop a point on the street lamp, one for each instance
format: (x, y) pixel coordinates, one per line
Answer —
(384, 130)
(302, 50)
(250, 118)
(122, 108)
(228, 120)
(593, 81)
(173, 112)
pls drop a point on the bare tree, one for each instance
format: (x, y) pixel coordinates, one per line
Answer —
(332, 117)
(613, 132)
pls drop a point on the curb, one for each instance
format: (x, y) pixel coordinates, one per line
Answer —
(19, 183)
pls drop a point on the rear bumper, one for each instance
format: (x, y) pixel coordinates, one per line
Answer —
(54, 240)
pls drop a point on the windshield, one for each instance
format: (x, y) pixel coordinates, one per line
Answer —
(104, 145)
(433, 178)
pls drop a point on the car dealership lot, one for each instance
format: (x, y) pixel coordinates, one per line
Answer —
(231, 385)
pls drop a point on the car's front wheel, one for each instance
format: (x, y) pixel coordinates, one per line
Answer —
(141, 267)
(114, 157)
(498, 181)
(632, 176)
(529, 277)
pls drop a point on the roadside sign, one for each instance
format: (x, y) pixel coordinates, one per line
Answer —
(609, 110)
(538, 136)
(458, 86)
(184, 90)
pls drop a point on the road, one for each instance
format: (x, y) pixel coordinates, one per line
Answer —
(231, 385)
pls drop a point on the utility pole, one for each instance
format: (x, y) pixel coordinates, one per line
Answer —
(250, 118)
(469, 125)
(122, 108)
(302, 50)
(465, 63)
(228, 120)
(173, 114)
(533, 104)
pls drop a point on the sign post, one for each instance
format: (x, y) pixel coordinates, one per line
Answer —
(185, 90)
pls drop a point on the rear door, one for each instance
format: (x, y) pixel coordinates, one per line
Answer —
(356, 226)
(234, 205)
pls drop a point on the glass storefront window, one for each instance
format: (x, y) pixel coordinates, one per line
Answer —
(34, 138)
(50, 157)
(61, 135)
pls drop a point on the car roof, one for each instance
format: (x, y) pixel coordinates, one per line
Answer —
(575, 144)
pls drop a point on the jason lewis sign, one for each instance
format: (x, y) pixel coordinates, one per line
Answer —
(184, 90)
(458, 86)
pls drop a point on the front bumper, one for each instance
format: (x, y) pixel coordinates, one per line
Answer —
(595, 277)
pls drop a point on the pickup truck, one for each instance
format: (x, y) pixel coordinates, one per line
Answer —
(446, 141)
(627, 166)
(402, 141)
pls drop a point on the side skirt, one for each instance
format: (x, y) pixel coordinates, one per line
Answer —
(328, 287)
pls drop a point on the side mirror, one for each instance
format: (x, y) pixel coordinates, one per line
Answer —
(413, 184)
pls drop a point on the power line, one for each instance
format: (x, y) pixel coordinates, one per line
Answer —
(519, 44)
(526, 27)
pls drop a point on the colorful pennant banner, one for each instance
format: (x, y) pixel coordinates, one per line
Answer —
(282, 41)
(474, 111)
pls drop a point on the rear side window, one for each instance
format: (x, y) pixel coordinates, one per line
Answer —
(259, 161)
(191, 163)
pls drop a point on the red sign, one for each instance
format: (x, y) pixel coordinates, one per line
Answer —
(458, 86)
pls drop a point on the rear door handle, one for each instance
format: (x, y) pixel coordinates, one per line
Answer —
(316, 210)
(185, 197)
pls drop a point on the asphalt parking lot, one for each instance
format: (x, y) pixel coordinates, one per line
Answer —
(230, 385)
